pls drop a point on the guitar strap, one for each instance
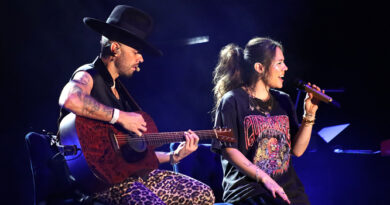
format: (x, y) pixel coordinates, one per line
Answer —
(130, 99)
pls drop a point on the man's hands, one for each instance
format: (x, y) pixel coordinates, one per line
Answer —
(133, 122)
(187, 147)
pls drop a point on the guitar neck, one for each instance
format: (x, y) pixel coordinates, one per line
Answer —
(169, 137)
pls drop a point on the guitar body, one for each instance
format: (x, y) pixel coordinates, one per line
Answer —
(109, 155)
(101, 162)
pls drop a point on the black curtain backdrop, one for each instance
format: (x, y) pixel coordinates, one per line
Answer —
(334, 44)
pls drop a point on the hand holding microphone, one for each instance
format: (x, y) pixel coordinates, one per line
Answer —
(310, 89)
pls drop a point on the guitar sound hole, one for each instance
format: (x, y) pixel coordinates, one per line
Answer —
(138, 146)
(134, 151)
(130, 155)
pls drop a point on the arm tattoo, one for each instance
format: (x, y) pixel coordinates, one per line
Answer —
(108, 111)
(78, 91)
(84, 80)
(90, 105)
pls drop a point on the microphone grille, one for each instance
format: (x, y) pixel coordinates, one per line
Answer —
(299, 84)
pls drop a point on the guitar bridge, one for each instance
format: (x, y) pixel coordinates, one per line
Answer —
(113, 140)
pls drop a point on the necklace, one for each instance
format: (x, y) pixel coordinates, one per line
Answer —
(264, 107)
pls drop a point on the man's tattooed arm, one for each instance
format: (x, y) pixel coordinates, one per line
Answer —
(90, 107)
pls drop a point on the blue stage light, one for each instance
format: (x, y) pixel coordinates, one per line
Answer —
(329, 133)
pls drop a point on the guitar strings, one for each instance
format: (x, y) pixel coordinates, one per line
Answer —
(156, 138)
(174, 133)
(163, 136)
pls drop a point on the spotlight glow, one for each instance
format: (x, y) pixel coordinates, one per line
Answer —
(329, 133)
(197, 40)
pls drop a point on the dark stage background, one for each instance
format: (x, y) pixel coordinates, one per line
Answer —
(335, 44)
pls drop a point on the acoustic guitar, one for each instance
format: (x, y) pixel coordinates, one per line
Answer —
(105, 154)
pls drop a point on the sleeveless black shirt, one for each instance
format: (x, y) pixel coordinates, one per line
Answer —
(101, 90)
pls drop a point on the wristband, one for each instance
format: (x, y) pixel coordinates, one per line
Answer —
(171, 160)
(115, 116)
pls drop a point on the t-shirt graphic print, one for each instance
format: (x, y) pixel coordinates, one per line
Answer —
(271, 138)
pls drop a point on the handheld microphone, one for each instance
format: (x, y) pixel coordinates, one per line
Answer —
(317, 94)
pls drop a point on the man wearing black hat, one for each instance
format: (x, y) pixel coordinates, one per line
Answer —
(95, 92)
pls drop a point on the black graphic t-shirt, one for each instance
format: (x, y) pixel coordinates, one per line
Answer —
(271, 137)
(264, 139)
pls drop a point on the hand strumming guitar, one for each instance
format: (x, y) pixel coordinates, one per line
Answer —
(132, 121)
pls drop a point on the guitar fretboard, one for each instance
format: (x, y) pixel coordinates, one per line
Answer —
(161, 138)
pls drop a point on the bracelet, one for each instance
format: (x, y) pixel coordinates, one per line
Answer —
(308, 115)
(257, 175)
(115, 116)
(171, 160)
(308, 122)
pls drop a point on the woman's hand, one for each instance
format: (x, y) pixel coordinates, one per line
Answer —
(187, 147)
(311, 103)
(274, 188)
(251, 170)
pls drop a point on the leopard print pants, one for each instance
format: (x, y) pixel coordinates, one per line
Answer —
(162, 187)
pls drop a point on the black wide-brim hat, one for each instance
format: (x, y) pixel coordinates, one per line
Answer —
(127, 25)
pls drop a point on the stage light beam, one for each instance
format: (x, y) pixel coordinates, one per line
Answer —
(329, 133)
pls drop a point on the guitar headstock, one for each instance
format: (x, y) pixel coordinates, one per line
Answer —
(225, 135)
